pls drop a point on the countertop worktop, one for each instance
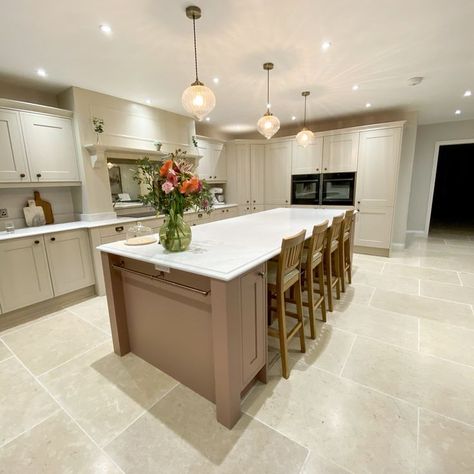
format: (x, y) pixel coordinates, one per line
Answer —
(226, 249)
(48, 229)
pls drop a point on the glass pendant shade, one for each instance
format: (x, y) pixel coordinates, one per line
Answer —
(268, 125)
(304, 137)
(198, 100)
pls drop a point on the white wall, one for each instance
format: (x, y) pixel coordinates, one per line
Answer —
(427, 136)
(14, 200)
(12, 90)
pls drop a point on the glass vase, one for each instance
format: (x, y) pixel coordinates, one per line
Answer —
(175, 233)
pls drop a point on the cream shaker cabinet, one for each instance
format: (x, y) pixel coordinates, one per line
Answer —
(278, 173)
(50, 147)
(13, 165)
(340, 152)
(24, 273)
(377, 175)
(212, 165)
(70, 262)
(307, 160)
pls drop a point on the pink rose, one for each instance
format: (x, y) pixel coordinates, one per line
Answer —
(167, 187)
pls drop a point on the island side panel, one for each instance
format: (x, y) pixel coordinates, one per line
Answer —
(116, 304)
(239, 342)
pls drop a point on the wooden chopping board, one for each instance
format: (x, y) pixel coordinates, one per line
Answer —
(48, 210)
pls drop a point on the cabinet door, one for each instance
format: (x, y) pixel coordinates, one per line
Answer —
(50, 147)
(340, 152)
(307, 160)
(254, 322)
(220, 163)
(374, 227)
(242, 158)
(377, 173)
(277, 173)
(212, 165)
(257, 173)
(24, 273)
(13, 166)
(69, 257)
(257, 208)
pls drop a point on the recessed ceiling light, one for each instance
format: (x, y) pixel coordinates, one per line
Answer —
(468, 93)
(368, 105)
(106, 29)
(293, 118)
(215, 80)
(41, 72)
(208, 119)
(326, 45)
(458, 112)
(148, 101)
(355, 87)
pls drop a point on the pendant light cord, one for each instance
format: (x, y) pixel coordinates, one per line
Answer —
(304, 120)
(268, 90)
(195, 49)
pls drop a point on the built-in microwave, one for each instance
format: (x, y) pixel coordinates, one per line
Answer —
(305, 189)
(338, 189)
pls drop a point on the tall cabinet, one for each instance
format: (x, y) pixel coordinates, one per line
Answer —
(278, 173)
(377, 176)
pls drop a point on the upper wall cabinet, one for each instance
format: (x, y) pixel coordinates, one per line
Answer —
(13, 167)
(307, 160)
(50, 147)
(278, 172)
(340, 152)
(212, 166)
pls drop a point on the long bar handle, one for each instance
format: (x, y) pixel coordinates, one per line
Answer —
(162, 280)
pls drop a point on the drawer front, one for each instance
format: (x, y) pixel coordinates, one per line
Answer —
(115, 230)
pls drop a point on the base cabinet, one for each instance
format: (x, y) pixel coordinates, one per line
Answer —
(374, 227)
(24, 273)
(69, 260)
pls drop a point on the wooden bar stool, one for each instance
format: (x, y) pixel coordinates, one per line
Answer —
(345, 254)
(281, 276)
(312, 263)
(331, 260)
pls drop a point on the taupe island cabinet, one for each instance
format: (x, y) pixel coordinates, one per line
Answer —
(200, 315)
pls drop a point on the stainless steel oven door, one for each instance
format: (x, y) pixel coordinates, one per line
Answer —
(305, 189)
(338, 189)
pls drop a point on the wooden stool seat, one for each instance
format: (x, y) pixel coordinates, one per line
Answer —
(283, 276)
(272, 270)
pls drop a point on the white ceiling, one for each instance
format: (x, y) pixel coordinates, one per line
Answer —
(377, 44)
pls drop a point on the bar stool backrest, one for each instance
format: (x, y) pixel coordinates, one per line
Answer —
(316, 243)
(290, 256)
(348, 220)
(335, 230)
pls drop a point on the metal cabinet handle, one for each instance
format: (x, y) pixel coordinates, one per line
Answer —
(325, 169)
(199, 215)
(317, 169)
(38, 175)
(22, 175)
(261, 274)
(248, 202)
(37, 242)
(119, 229)
(53, 239)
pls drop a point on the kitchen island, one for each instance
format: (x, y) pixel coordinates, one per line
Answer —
(200, 315)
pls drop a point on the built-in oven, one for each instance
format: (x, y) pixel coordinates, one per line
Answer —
(338, 189)
(305, 188)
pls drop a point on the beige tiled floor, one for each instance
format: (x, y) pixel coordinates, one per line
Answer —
(388, 386)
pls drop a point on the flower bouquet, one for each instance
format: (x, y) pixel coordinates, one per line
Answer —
(173, 188)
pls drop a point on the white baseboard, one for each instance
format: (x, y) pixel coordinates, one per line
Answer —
(417, 232)
(397, 245)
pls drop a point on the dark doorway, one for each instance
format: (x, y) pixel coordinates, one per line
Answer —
(453, 198)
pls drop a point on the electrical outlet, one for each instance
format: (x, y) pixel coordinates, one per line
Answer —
(3, 212)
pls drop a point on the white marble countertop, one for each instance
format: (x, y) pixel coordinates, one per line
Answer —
(226, 249)
(48, 229)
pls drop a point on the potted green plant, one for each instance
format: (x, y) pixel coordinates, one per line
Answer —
(157, 144)
(173, 188)
(98, 124)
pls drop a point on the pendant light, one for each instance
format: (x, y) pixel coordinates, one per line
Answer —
(268, 125)
(305, 136)
(197, 99)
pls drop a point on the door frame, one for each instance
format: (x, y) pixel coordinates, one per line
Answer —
(439, 144)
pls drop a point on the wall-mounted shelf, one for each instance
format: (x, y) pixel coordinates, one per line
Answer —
(98, 153)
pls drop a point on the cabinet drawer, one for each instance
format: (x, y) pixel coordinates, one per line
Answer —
(115, 230)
